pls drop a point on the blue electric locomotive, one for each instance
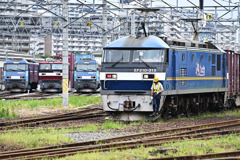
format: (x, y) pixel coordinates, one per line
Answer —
(86, 74)
(193, 75)
(20, 76)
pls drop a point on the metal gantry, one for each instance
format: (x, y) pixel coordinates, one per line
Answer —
(112, 19)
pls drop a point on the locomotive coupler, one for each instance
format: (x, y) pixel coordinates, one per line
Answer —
(129, 104)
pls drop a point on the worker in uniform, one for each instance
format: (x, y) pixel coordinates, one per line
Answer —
(156, 90)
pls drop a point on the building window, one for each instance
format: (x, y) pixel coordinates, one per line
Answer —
(218, 62)
(192, 57)
(183, 73)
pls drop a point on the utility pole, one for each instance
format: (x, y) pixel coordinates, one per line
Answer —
(238, 26)
(6, 51)
(104, 23)
(65, 54)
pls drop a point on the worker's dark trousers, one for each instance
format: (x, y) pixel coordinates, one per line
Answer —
(156, 102)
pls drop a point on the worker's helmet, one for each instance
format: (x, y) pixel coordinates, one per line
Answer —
(156, 79)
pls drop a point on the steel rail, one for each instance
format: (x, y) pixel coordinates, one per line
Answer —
(117, 146)
(62, 117)
(231, 155)
(197, 128)
(95, 143)
(84, 116)
(47, 117)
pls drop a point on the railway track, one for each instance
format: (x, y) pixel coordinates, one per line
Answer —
(30, 122)
(206, 131)
(215, 156)
(35, 95)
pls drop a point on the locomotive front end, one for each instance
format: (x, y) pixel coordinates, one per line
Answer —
(16, 76)
(128, 68)
(86, 75)
(50, 76)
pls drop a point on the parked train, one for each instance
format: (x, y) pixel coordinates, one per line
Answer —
(50, 73)
(20, 75)
(194, 76)
(86, 74)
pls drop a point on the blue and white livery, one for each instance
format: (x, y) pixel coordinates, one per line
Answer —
(193, 75)
(20, 75)
(86, 75)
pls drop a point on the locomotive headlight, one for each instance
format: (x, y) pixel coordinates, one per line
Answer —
(145, 76)
(148, 76)
(8, 77)
(93, 77)
(114, 76)
(22, 77)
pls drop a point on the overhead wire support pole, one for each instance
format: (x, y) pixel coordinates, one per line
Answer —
(65, 54)
(104, 22)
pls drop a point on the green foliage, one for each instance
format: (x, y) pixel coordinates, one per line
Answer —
(74, 101)
(35, 138)
(38, 56)
(89, 53)
(215, 145)
(46, 55)
(77, 52)
(8, 113)
(133, 154)
(184, 148)
(109, 124)
(89, 128)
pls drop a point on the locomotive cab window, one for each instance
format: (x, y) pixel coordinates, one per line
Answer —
(218, 62)
(15, 67)
(115, 55)
(149, 55)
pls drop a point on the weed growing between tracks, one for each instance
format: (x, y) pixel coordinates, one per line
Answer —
(234, 112)
(39, 137)
(187, 147)
(215, 145)
(34, 138)
(10, 109)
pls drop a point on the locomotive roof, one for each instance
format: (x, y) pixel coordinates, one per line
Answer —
(50, 62)
(154, 42)
(17, 62)
(150, 42)
(192, 44)
(88, 61)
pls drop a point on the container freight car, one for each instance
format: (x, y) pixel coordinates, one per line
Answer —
(86, 74)
(233, 78)
(50, 74)
(20, 75)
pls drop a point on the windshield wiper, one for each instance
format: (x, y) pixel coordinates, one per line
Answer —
(117, 62)
(144, 62)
